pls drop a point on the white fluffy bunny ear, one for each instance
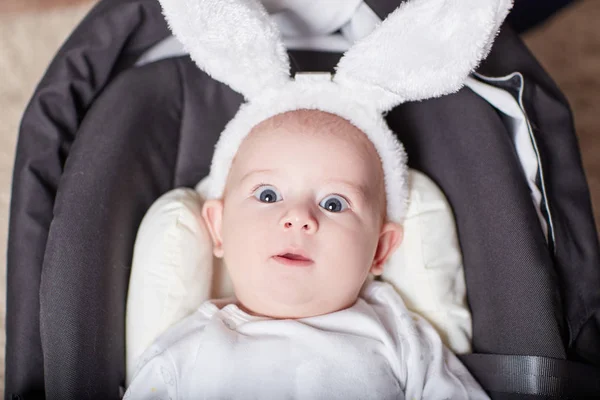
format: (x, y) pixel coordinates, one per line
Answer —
(424, 49)
(234, 41)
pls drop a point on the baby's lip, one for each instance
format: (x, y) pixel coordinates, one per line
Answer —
(293, 257)
(295, 253)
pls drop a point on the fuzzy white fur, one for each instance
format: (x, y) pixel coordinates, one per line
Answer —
(234, 41)
(426, 48)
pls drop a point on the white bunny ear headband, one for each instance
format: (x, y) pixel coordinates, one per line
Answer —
(424, 49)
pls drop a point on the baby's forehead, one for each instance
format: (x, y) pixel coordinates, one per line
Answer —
(319, 129)
(315, 125)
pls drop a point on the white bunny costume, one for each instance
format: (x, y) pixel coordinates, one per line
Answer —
(376, 348)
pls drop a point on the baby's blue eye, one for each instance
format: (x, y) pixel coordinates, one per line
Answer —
(267, 194)
(334, 203)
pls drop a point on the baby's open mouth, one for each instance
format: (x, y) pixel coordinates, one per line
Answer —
(293, 259)
(292, 256)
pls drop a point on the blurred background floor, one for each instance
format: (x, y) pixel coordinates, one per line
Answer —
(567, 45)
(17, 6)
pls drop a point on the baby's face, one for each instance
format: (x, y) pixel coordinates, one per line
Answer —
(301, 223)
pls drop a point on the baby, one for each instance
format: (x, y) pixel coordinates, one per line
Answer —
(301, 226)
(305, 198)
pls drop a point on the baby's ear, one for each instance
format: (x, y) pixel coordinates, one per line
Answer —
(212, 213)
(390, 237)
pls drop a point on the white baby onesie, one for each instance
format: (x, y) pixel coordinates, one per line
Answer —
(375, 349)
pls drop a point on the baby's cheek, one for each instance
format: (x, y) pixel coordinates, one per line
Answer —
(242, 233)
(356, 250)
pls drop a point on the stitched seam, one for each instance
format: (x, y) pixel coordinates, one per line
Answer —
(179, 71)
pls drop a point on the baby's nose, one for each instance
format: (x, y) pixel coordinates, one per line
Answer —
(300, 220)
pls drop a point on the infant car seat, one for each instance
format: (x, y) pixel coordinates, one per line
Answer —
(117, 121)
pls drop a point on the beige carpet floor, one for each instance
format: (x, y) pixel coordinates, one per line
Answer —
(568, 46)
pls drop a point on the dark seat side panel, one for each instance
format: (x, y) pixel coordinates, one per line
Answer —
(124, 157)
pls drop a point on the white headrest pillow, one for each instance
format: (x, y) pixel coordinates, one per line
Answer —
(173, 269)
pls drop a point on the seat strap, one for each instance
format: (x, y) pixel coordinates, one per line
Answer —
(531, 375)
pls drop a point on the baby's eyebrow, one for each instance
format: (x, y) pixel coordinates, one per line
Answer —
(358, 189)
(255, 172)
